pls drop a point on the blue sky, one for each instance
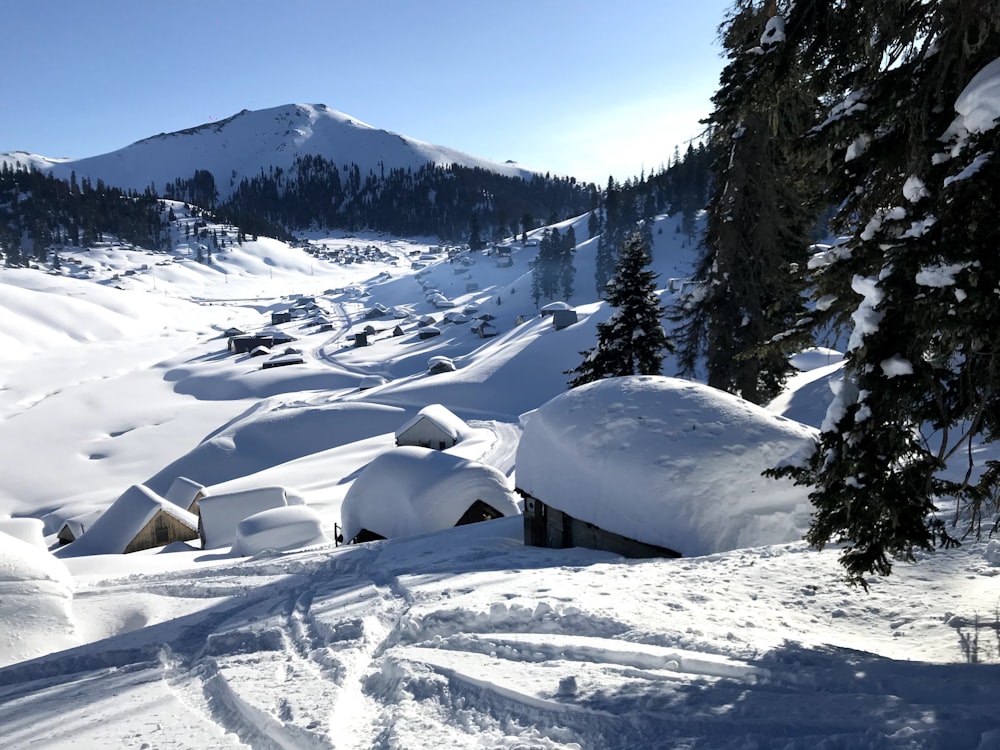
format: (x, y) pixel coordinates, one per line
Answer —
(582, 88)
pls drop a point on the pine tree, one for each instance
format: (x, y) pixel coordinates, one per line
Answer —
(567, 271)
(632, 341)
(919, 190)
(756, 237)
(475, 239)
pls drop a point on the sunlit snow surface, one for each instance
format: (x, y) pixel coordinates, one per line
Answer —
(457, 638)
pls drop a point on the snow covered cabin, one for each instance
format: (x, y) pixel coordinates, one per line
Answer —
(410, 490)
(434, 426)
(551, 308)
(185, 493)
(139, 519)
(650, 466)
(220, 514)
(76, 526)
(563, 319)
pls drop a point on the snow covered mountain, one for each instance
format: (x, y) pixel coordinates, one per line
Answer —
(253, 141)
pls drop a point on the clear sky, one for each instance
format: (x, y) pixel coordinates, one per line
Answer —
(575, 87)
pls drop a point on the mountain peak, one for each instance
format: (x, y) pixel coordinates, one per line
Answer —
(251, 141)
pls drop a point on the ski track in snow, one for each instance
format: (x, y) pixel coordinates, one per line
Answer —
(347, 649)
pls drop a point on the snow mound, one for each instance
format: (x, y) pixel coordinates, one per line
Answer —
(815, 357)
(979, 103)
(36, 593)
(411, 490)
(287, 528)
(666, 462)
(28, 530)
(992, 552)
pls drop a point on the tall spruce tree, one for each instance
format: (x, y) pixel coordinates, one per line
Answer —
(567, 271)
(750, 286)
(632, 341)
(918, 174)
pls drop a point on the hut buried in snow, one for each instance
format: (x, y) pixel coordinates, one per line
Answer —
(186, 493)
(76, 526)
(407, 491)
(648, 465)
(434, 426)
(220, 514)
(139, 519)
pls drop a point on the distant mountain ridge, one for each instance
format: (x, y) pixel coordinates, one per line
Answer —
(255, 141)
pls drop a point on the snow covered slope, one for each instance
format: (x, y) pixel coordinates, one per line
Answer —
(116, 371)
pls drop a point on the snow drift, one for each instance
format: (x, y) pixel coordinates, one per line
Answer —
(36, 593)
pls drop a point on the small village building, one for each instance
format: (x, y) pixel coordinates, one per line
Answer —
(437, 365)
(550, 308)
(486, 330)
(377, 311)
(371, 381)
(563, 318)
(139, 519)
(185, 493)
(246, 343)
(426, 320)
(504, 261)
(397, 331)
(230, 332)
(652, 466)
(220, 513)
(360, 339)
(428, 332)
(76, 526)
(410, 490)
(434, 426)
(283, 360)
(283, 316)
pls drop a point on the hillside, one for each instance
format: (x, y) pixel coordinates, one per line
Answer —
(117, 372)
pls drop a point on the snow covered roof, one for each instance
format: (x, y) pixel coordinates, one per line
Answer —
(666, 462)
(371, 381)
(183, 491)
(220, 514)
(553, 306)
(441, 416)
(118, 525)
(77, 525)
(411, 490)
(286, 528)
